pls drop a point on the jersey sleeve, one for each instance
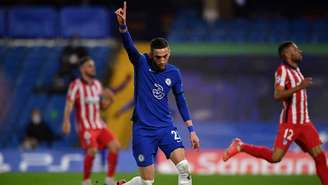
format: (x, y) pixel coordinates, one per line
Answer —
(130, 48)
(72, 91)
(280, 77)
(178, 85)
(99, 87)
(180, 98)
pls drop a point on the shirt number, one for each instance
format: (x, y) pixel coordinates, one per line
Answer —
(176, 136)
(288, 134)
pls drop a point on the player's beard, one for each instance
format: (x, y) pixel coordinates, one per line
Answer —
(298, 59)
(156, 67)
(91, 75)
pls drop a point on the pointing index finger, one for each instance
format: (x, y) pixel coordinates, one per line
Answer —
(124, 7)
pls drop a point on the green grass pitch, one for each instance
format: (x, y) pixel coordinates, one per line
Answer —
(97, 178)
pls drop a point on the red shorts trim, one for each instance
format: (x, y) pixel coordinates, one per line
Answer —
(304, 135)
(98, 138)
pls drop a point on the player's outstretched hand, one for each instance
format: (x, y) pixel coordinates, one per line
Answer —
(194, 141)
(66, 127)
(121, 15)
(306, 82)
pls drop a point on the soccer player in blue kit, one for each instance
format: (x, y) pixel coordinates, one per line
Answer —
(152, 122)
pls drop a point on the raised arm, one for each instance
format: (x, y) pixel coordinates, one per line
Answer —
(126, 37)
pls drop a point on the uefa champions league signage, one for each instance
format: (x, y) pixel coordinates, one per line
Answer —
(203, 162)
(44, 161)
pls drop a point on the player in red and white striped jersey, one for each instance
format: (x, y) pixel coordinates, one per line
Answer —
(295, 124)
(87, 96)
(295, 108)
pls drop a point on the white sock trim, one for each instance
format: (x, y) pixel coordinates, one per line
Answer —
(184, 173)
(139, 181)
(183, 167)
(147, 182)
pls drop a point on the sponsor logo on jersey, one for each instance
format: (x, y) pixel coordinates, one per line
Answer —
(92, 100)
(278, 79)
(158, 92)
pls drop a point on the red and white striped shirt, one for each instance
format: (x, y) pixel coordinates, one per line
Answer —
(295, 109)
(86, 98)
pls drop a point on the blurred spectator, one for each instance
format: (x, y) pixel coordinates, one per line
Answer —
(69, 62)
(210, 11)
(37, 132)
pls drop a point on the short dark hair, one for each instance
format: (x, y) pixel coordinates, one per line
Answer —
(158, 43)
(284, 46)
(83, 60)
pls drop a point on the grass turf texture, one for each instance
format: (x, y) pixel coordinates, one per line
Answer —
(98, 178)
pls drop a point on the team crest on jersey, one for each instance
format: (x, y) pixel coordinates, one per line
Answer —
(278, 79)
(158, 92)
(141, 158)
(168, 82)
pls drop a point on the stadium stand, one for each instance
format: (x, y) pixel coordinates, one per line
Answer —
(93, 20)
(31, 22)
(2, 23)
(190, 27)
(28, 67)
(65, 22)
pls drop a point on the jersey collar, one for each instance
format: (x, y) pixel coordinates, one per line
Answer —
(288, 65)
(86, 82)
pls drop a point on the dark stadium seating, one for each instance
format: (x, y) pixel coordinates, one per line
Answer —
(48, 22)
(27, 68)
(190, 27)
(2, 23)
(31, 22)
(87, 22)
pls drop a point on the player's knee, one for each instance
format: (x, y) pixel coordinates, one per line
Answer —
(92, 151)
(184, 173)
(315, 151)
(277, 155)
(114, 147)
(276, 158)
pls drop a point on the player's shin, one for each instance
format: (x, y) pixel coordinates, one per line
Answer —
(88, 161)
(322, 169)
(184, 173)
(258, 152)
(112, 162)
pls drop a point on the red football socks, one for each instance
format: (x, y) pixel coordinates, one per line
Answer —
(322, 169)
(258, 151)
(88, 161)
(112, 162)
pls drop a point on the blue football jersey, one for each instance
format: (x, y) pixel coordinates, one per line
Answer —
(151, 90)
(151, 93)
